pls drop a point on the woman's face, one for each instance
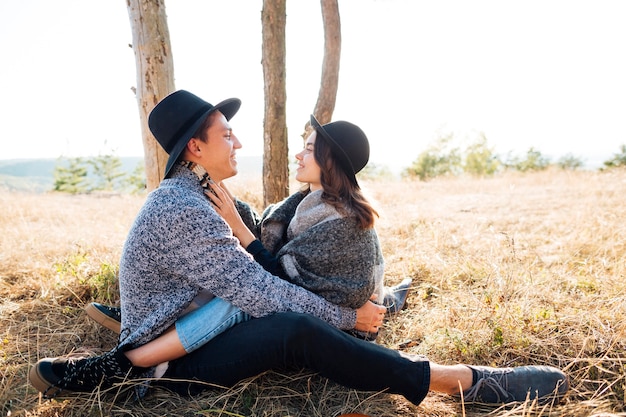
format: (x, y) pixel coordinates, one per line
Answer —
(308, 170)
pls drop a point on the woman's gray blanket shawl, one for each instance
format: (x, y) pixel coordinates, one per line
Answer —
(322, 250)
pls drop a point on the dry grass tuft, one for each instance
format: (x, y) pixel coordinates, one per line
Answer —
(512, 270)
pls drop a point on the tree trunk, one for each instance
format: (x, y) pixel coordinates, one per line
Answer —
(330, 67)
(155, 75)
(275, 154)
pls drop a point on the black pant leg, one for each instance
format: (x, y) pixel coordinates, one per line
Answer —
(290, 341)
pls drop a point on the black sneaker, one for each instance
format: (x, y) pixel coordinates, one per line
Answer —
(509, 385)
(50, 376)
(109, 317)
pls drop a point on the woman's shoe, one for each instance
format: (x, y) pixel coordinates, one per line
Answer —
(395, 297)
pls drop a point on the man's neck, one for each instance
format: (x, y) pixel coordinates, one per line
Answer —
(201, 173)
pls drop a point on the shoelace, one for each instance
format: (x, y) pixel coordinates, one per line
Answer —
(94, 369)
(487, 383)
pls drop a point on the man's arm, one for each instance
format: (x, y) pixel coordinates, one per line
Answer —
(215, 261)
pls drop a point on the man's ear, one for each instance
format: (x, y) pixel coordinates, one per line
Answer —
(193, 147)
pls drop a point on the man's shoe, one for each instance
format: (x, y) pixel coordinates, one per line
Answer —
(395, 297)
(508, 385)
(50, 376)
(109, 317)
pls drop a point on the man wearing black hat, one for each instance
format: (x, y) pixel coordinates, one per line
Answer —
(179, 246)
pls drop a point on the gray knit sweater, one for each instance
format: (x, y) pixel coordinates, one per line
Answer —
(178, 246)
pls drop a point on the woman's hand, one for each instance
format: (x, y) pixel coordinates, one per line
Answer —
(224, 204)
(370, 316)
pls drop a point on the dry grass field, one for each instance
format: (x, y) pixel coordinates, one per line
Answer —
(511, 270)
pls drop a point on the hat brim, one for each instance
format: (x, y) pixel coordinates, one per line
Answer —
(228, 108)
(343, 156)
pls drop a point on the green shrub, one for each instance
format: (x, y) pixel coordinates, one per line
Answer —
(570, 162)
(439, 159)
(70, 176)
(533, 161)
(480, 159)
(136, 181)
(100, 173)
(618, 160)
(107, 171)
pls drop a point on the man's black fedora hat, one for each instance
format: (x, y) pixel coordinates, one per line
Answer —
(349, 144)
(176, 118)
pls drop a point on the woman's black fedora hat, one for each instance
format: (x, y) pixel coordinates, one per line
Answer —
(176, 118)
(349, 144)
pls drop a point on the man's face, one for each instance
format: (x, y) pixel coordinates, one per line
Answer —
(218, 153)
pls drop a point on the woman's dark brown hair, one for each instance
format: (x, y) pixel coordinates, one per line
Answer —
(339, 191)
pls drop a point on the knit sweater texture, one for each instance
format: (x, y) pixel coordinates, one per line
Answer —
(179, 246)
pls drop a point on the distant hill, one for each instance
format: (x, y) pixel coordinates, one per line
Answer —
(37, 175)
(28, 167)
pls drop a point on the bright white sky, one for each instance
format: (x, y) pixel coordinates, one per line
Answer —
(549, 74)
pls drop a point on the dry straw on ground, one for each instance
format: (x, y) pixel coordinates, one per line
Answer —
(511, 270)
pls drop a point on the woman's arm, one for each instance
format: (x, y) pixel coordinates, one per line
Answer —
(264, 258)
(224, 204)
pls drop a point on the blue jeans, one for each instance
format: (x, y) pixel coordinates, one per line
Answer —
(292, 341)
(204, 323)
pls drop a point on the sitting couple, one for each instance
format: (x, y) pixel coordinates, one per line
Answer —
(185, 249)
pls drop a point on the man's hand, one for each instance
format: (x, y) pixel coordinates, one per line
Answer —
(369, 317)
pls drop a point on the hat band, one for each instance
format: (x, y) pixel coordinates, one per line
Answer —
(190, 122)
